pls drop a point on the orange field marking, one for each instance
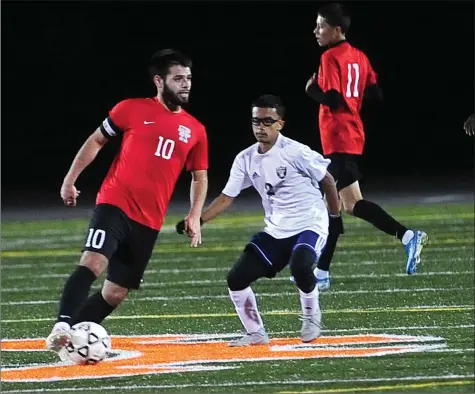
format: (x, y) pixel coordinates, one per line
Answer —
(180, 353)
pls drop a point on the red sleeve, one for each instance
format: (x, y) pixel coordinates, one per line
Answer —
(118, 120)
(198, 157)
(329, 73)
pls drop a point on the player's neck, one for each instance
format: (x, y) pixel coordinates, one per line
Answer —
(265, 147)
(169, 106)
(338, 41)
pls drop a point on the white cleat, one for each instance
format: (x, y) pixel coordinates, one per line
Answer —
(253, 338)
(59, 337)
(311, 327)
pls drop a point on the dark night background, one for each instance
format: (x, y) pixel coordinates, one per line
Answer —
(65, 64)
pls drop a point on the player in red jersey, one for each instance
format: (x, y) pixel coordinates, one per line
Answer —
(160, 139)
(345, 77)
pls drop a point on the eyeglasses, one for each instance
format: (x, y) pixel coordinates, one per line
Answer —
(265, 121)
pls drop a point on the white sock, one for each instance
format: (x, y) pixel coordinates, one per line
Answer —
(309, 302)
(246, 307)
(407, 237)
(321, 274)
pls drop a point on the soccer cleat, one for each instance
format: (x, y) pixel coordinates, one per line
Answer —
(413, 250)
(59, 337)
(323, 284)
(251, 339)
(311, 326)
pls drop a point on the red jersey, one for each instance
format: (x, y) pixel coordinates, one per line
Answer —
(157, 144)
(348, 71)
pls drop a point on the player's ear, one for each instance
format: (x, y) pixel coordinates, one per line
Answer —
(281, 124)
(158, 81)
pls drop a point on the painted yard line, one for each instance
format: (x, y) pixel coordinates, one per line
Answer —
(72, 264)
(242, 220)
(382, 388)
(185, 251)
(373, 330)
(417, 309)
(270, 295)
(252, 383)
(216, 282)
(59, 239)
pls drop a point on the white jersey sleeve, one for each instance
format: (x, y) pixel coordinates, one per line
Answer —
(238, 178)
(311, 163)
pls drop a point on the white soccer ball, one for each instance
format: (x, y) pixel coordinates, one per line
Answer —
(89, 344)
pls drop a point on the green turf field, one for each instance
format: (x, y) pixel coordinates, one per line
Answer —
(384, 331)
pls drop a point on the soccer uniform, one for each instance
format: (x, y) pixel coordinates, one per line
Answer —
(348, 71)
(134, 197)
(286, 177)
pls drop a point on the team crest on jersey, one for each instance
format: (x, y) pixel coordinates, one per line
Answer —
(184, 133)
(281, 172)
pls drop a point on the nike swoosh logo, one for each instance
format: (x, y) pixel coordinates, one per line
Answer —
(145, 122)
(63, 316)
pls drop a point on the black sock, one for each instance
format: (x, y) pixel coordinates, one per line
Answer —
(327, 253)
(379, 218)
(75, 292)
(95, 310)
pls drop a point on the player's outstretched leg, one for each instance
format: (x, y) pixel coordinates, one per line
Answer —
(75, 292)
(413, 240)
(246, 270)
(101, 304)
(301, 263)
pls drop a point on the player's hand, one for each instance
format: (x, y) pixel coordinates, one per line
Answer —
(193, 229)
(69, 194)
(469, 125)
(180, 226)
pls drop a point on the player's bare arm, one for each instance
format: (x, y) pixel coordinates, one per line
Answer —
(198, 190)
(217, 207)
(469, 125)
(85, 156)
(331, 194)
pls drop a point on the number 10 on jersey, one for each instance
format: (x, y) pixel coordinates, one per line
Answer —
(165, 148)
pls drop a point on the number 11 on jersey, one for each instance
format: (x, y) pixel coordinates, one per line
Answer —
(352, 85)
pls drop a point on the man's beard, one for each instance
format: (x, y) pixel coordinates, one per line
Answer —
(171, 99)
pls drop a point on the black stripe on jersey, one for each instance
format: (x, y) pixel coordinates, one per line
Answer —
(109, 129)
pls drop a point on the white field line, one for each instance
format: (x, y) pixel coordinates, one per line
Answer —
(73, 263)
(241, 384)
(266, 295)
(258, 223)
(29, 288)
(165, 259)
(279, 312)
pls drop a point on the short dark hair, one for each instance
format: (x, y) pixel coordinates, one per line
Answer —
(162, 60)
(270, 101)
(336, 15)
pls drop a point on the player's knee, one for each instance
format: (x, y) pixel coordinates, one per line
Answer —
(246, 270)
(301, 263)
(113, 293)
(237, 280)
(96, 262)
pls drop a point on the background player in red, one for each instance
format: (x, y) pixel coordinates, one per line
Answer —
(159, 140)
(345, 77)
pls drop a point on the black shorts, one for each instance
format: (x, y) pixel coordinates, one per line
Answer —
(128, 245)
(276, 253)
(344, 168)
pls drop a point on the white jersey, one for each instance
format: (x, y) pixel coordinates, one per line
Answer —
(286, 177)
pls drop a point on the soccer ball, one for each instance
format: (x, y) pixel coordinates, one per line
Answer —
(89, 343)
